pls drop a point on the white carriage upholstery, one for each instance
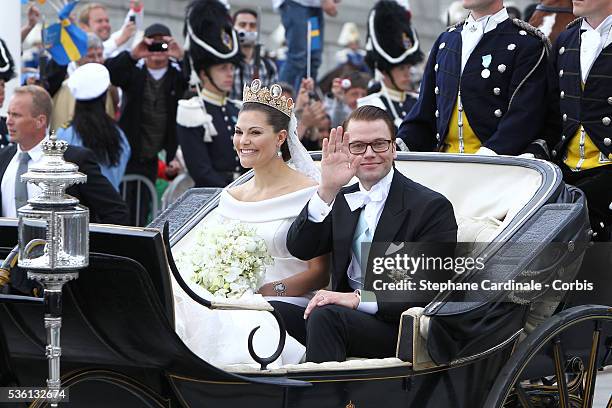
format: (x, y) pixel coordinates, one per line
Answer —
(350, 364)
(485, 197)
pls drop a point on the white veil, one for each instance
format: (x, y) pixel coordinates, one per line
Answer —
(300, 158)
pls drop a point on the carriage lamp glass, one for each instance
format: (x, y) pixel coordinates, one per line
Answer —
(53, 227)
(53, 242)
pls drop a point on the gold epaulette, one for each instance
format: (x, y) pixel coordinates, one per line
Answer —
(574, 22)
(533, 31)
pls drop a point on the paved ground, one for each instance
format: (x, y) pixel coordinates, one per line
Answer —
(603, 388)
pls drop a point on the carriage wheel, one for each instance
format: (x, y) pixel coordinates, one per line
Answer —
(571, 370)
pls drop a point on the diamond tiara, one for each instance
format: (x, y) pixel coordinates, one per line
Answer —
(272, 97)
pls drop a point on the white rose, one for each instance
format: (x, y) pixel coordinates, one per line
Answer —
(233, 273)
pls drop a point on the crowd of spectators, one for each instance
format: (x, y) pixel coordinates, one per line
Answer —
(120, 99)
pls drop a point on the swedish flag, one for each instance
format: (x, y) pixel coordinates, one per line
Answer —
(65, 41)
(314, 34)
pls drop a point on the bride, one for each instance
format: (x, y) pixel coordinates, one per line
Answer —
(266, 139)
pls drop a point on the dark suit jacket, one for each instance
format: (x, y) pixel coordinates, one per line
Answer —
(104, 203)
(130, 76)
(412, 213)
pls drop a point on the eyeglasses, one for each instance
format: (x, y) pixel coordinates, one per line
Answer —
(378, 146)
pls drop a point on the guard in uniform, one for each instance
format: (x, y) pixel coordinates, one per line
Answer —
(7, 72)
(582, 57)
(205, 123)
(483, 91)
(392, 49)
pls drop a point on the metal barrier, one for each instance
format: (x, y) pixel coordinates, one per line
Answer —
(140, 181)
(176, 188)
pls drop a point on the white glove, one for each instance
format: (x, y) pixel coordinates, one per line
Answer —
(484, 151)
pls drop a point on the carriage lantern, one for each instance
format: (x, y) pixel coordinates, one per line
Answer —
(53, 241)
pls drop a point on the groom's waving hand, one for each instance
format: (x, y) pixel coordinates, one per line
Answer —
(384, 206)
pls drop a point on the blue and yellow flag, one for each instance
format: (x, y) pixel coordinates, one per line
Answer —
(315, 33)
(65, 41)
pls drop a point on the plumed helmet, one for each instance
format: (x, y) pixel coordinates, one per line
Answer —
(392, 40)
(210, 37)
(7, 66)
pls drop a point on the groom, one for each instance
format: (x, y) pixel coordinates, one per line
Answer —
(384, 206)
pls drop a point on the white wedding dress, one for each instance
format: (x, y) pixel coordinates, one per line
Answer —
(220, 336)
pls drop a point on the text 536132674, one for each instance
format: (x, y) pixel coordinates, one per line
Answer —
(29, 394)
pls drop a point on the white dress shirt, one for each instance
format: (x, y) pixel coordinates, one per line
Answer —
(593, 41)
(8, 181)
(318, 210)
(474, 30)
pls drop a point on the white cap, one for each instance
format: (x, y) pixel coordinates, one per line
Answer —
(89, 81)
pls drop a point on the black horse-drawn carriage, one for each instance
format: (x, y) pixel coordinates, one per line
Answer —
(492, 349)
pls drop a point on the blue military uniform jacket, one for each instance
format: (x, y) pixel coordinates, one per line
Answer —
(210, 159)
(591, 107)
(505, 106)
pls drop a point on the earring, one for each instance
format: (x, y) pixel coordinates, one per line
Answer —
(279, 153)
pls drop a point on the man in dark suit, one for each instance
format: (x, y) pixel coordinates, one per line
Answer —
(28, 115)
(152, 83)
(384, 206)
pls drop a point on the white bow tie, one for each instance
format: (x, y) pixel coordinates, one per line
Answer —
(360, 198)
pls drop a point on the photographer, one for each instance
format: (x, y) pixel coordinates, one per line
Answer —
(344, 95)
(152, 82)
(246, 24)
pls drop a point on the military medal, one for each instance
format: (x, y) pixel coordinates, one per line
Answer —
(486, 62)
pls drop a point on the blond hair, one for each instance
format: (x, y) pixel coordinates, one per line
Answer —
(41, 100)
(84, 14)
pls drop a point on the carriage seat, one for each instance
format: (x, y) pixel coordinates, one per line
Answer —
(485, 199)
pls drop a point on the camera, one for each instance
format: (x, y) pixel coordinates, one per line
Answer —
(313, 96)
(158, 47)
(247, 37)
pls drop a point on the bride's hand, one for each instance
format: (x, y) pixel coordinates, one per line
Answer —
(267, 290)
(338, 166)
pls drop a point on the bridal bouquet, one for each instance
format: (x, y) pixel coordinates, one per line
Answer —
(228, 259)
